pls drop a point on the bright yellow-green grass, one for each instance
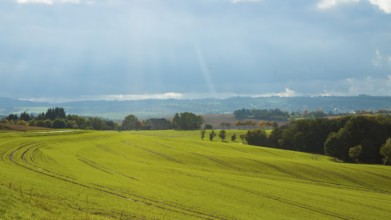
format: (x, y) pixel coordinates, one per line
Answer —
(176, 175)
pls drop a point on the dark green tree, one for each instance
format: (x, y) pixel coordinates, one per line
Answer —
(256, 137)
(130, 123)
(233, 137)
(222, 135)
(176, 121)
(202, 134)
(242, 138)
(12, 117)
(212, 135)
(354, 152)
(299, 141)
(385, 151)
(208, 126)
(337, 144)
(25, 116)
(187, 121)
(59, 123)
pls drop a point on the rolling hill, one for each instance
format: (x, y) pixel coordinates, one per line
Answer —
(176, 175)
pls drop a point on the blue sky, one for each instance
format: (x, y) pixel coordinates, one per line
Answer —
(132, 49)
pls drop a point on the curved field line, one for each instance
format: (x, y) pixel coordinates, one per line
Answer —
(108, 150)
(220, 162)
(272, 197)
(370, 172)
(102, 168)
(136, 198)
(154, 153)
(352, 180)
(324, 183)
(36, 148)
(282, 170)
(290, 202)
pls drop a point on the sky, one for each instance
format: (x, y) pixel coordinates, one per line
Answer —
(139, 49)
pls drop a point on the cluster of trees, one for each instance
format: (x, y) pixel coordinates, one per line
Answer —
(187, 121)
(131, 122)
(351, 138)
(181, 121)
(57, 118)
(262, 114)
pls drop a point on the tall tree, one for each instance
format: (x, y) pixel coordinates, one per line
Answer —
(130, 123)
(203, 134)
(222, 135)
(187, 121)
(212, 135)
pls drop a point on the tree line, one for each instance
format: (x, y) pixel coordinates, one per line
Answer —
(57, 118)
(350, 138)
(181, 121)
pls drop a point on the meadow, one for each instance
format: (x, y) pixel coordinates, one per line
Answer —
(176, 175)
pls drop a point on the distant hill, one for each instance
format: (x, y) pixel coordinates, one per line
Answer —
(166, 108)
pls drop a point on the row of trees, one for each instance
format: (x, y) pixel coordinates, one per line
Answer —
(57, 118)
(350, 138)
(222, 135)
(181, 121)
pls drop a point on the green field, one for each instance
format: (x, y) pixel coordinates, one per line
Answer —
(176, 175)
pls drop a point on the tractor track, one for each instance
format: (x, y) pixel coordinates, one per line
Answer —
(361, 187)
(103, 168)
(154, 153)
(287, 201)
(37, 146)
(352, 180)
(273, 197)
(131, 197)
(220, 162)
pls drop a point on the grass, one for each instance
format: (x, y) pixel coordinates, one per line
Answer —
(176, 175)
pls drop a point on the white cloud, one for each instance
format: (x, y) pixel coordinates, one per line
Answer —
(51, 2)
(384, 5)
(326, 4)
(168, 95)
(48, 2)
(286, 93)
(242, 1)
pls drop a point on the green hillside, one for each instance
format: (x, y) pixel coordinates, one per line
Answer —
(176, 175)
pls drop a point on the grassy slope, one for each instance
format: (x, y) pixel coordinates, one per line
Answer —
(175, 175)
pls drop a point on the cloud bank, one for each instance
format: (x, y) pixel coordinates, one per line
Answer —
(149, 48)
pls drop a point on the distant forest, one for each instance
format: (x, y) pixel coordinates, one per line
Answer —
(262, 114)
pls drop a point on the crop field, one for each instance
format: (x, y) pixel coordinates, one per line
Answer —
(176, 175)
